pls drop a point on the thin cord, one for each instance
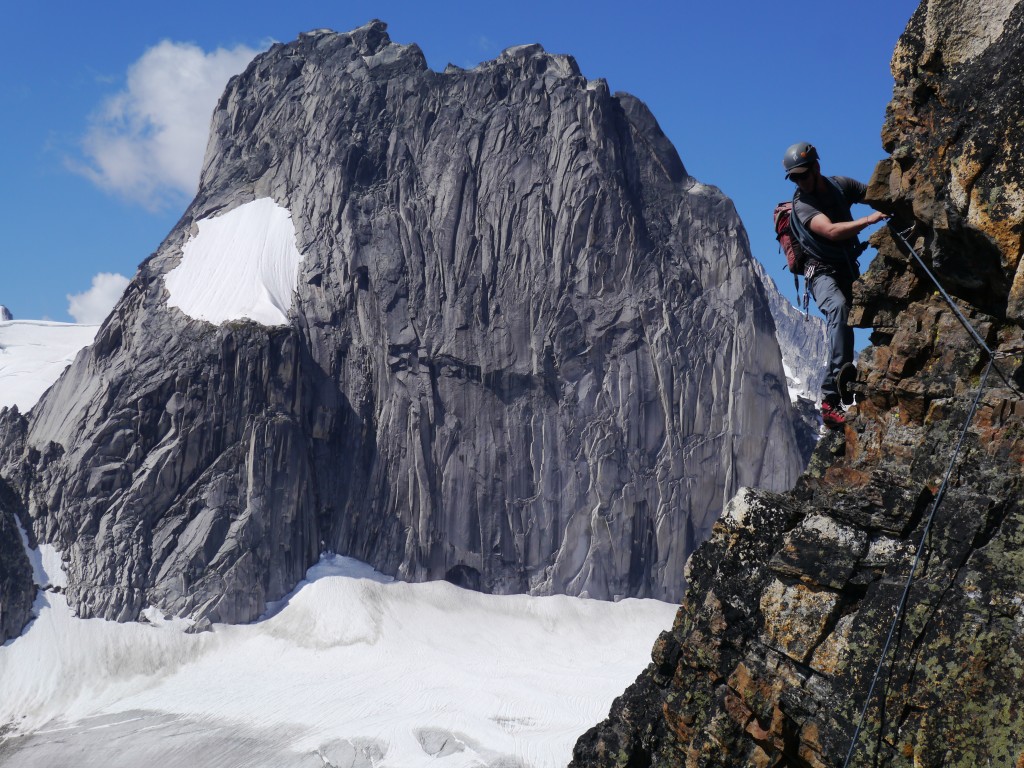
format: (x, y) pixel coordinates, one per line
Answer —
(949, 300)
(920, 550)
(945, 481)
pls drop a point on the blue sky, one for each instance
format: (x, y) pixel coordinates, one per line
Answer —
(88, 190)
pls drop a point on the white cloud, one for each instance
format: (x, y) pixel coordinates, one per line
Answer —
(91, 307)
(147, 142)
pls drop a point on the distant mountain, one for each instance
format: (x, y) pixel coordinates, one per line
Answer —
(802, 341)
(478, 325)
(33, 354)
(119, 692)
(804, 344)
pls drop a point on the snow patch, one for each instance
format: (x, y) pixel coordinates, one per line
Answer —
(241, 265)
(33, 355)
(793, 383)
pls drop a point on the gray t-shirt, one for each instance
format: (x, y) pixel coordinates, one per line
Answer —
(807, 206)
(836, 207)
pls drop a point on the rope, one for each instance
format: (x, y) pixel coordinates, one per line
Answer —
(901, 607)
(952, 305)
(913, 569)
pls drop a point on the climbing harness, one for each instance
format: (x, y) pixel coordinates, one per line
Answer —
(901, 607)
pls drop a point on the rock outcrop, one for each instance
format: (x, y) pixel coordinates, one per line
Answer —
(773, 652)
(17, 587)
(17, 590)
(5, 313)
(525, 351)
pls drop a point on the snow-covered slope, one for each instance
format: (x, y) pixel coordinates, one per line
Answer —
(352, 669)
(33, 353)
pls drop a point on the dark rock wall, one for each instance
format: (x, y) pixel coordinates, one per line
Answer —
(773, 651)
(527, 351)
(17, 590)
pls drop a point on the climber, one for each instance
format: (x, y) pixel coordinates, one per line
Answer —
(824, 226)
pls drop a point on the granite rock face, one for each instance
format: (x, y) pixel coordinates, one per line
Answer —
(526, 352)
(773, 651)
(5, 313)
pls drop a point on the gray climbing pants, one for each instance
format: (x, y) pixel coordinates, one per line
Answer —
(833, 297)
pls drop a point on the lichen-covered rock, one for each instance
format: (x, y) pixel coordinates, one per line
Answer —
(954, 129)
(773, 651)
(526, 352)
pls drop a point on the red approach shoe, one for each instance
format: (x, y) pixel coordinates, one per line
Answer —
(832, 415)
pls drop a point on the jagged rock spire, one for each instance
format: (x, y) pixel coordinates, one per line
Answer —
(524, 349)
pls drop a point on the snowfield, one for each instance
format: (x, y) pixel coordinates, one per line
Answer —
(351, 670)
(241, 264)
(33, 355)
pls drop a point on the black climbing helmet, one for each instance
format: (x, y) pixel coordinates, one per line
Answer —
(800, 155)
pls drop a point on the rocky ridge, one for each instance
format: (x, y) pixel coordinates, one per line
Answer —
(772, 653)
(802, 340)
(526, 352)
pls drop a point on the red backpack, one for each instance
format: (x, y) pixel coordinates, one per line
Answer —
(796, 256)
